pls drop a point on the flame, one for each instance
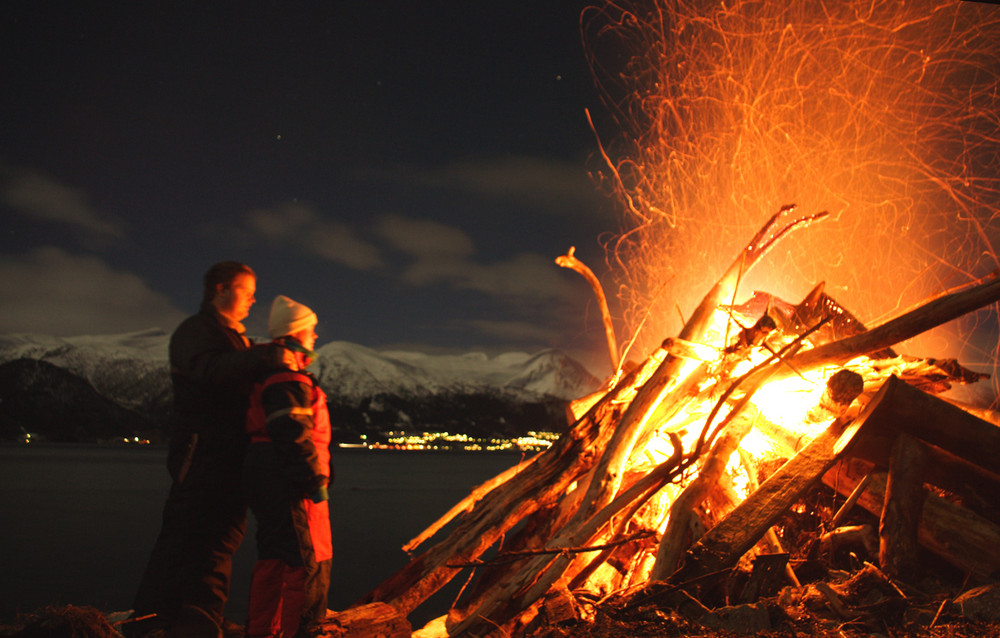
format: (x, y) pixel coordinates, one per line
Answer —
(887, 114)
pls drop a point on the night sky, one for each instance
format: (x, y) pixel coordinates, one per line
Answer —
(408, 169)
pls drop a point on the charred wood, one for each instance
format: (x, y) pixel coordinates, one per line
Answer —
(904, 500)
(765, 578)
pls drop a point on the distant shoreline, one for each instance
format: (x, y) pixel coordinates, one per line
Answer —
(158, 447)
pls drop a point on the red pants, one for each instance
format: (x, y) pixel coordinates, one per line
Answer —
(291, 577)
(279, 598)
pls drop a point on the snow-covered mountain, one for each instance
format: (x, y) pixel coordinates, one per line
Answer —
(127, 367)
(131, 371)
(352, 371)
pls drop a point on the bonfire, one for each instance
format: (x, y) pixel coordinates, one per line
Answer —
(678, 444)
(680, 482)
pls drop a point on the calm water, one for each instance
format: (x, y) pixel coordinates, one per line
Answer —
(78, 522)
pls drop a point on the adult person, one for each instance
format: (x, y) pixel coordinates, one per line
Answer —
(212, 367)
(286, 474)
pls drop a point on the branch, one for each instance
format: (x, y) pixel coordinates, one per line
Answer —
(569, 260)
(513, 556)
(467, 503)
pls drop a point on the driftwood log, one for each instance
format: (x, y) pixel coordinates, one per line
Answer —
(570, 261)
(376, 620)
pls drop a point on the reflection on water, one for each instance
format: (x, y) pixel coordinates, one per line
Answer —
(79, 521)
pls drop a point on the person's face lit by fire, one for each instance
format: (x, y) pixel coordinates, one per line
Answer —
(234, 301)
(308, 338)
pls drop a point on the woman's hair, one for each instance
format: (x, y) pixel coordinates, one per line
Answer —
(223, 273)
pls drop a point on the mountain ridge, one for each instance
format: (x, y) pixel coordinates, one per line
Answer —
(368, 389)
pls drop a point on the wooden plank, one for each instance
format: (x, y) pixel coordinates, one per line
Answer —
(975, 486)
(935, 421)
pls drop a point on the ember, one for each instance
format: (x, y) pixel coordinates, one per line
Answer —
(705, 479)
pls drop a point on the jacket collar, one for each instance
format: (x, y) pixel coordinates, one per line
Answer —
(209, 309)
(303, 357)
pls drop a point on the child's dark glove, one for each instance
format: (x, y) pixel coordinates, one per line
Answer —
(320, 495)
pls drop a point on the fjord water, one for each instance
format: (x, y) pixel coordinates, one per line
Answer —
(79, 521)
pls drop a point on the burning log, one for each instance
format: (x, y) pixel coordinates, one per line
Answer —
(673, 542)
(376, 620)
(771, 536)
(841, 390)
(466, 504)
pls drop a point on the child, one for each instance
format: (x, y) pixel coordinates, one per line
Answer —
(286, 474)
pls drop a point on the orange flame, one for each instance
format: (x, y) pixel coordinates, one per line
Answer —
(887, 114)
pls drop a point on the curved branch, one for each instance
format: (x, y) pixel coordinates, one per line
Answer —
(570, 261)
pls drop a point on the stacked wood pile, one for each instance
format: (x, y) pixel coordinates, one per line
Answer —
(588, 521)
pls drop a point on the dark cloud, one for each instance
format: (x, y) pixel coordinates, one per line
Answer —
(544, 185)
(301, 228)
(425, 239)
(441, 254)
(52, 291)
(44, 199)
